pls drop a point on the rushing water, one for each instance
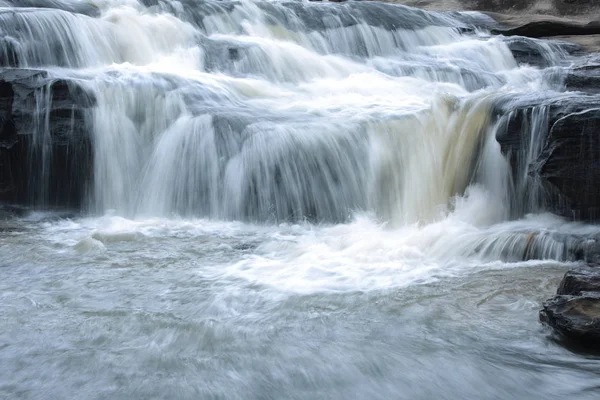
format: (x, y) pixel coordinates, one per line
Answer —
(289, 200)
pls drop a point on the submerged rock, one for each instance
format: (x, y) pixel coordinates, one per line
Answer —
(550, 28)
(570, 164)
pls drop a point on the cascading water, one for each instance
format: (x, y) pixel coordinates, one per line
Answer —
(276, 110)
(239, 163)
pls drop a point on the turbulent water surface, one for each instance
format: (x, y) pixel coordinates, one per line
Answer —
(289, 200)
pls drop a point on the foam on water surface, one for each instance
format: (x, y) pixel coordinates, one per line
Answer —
(370, 125)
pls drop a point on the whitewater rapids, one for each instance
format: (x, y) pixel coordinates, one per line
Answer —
(288, 200)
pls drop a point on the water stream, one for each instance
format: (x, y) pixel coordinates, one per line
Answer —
(288, 200)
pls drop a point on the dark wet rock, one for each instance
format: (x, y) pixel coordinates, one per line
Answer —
(574, 312)
(576, 282)
(574, 317)
(569, 165)
(45, 147)
(541, 29)
(584, 248)
(560, 133)
(525, 53)
(584, 79)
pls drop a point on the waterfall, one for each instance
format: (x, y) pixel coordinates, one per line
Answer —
(272, 111)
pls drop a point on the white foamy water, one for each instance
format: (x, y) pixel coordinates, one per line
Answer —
(361, 255)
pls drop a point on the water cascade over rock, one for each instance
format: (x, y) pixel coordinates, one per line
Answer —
(244, 199)
(275, 111)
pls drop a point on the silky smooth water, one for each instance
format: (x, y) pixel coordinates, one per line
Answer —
(289, 200)
(169, 308)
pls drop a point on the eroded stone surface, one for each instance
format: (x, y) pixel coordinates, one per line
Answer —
(574, 317)
(579, 281)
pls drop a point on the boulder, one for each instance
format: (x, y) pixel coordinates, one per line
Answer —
(576, 282)
(574, 313)
(45, 146)
(574, 317)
